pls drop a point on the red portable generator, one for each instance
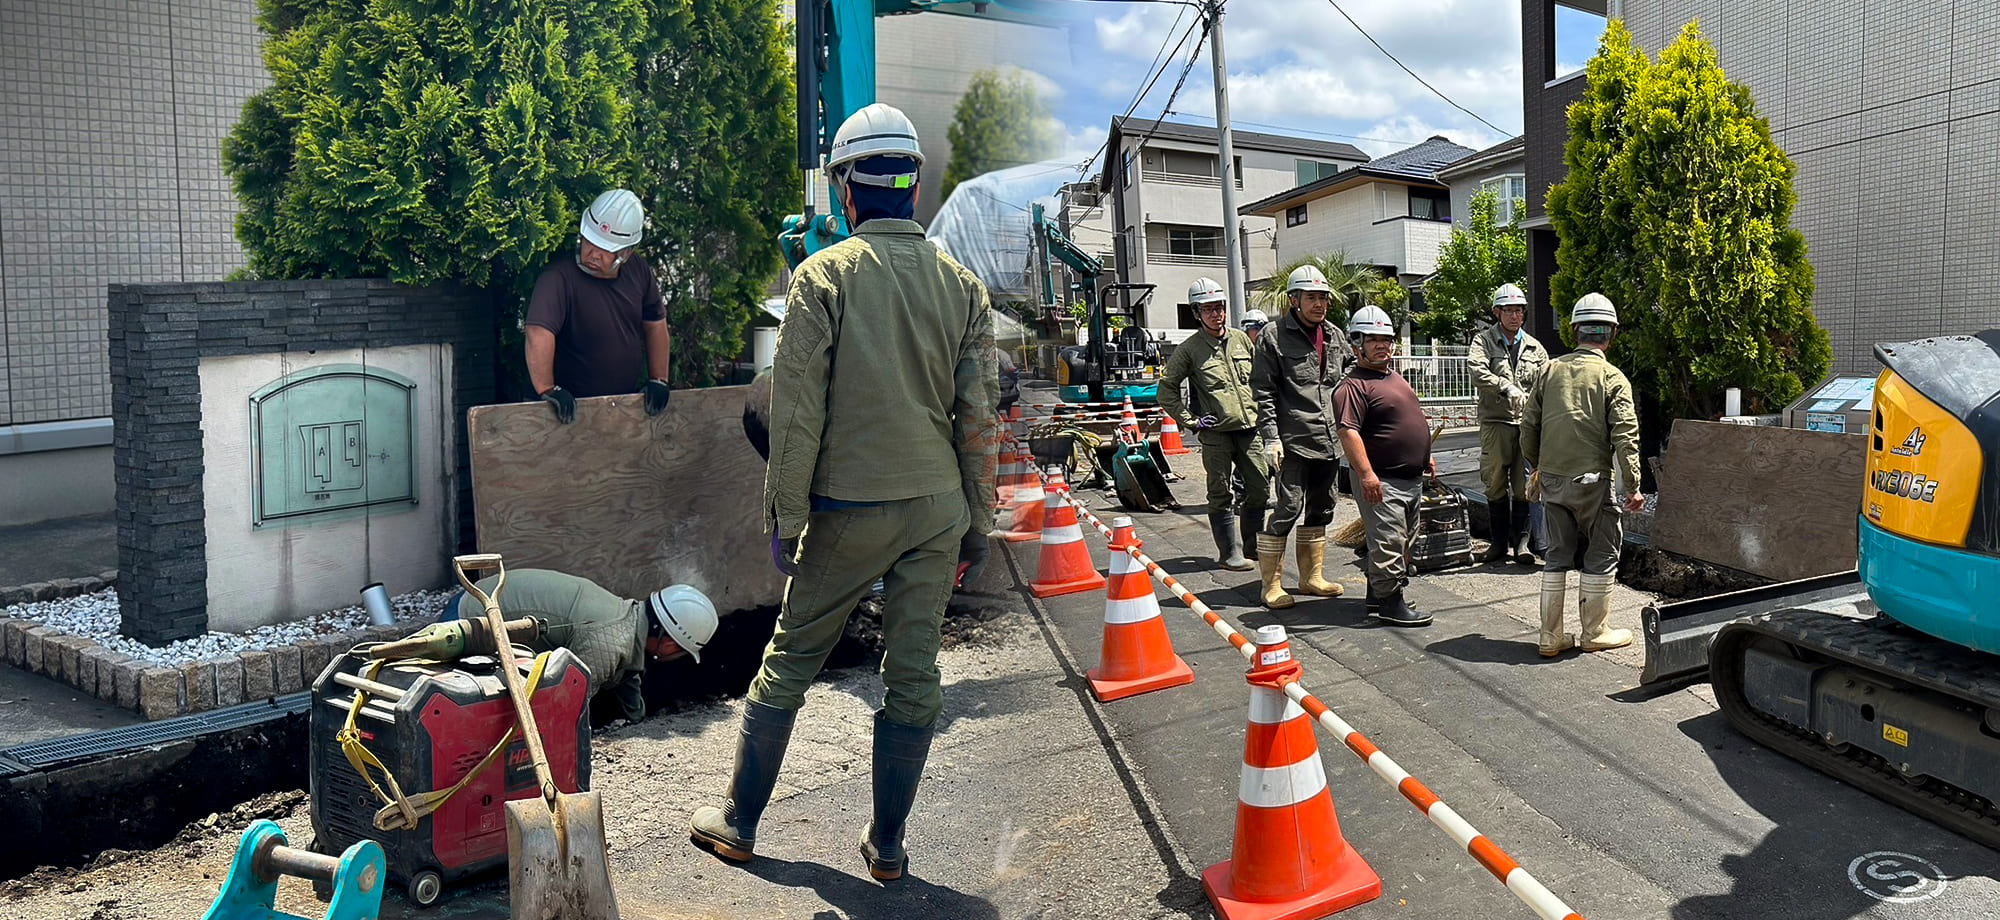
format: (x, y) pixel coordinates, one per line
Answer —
(430, 724)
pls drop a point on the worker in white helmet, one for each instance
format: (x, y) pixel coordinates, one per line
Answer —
(596, 325)
(1294, 374)
(1580, 432)
(1254, 321)
(1214, 364)
(1504, 360)
(1387, 442)
(882, 440)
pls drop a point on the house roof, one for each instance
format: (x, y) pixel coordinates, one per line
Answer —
(1511, 148)
(1198, 134)
(1417, 165)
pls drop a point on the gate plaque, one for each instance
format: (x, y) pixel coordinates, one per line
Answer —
(330, 438)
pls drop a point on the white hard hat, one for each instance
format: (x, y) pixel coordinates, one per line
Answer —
(1508, 295)
(1206, 290)
(1254, 318)
(1307, 278)
(1370, 320)
(687, 616)
(1594, 308)
(878, 130)
(615, 221)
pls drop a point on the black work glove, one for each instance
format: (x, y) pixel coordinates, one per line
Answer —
(657, 392)
(785, 554)
(564, 404)
(973, 548)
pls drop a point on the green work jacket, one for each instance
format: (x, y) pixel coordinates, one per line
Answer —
(1217, 368)
(1580, 419)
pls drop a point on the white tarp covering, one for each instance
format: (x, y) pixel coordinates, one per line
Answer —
(988, 224)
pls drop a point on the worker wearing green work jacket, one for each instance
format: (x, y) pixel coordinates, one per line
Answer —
(883, 434)
(1580, 432)
(1215, 364)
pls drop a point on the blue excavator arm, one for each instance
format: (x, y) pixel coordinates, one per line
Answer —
(836, 78)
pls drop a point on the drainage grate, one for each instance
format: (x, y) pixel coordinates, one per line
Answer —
(132, 737)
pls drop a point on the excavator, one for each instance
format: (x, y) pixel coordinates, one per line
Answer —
(1904, 703)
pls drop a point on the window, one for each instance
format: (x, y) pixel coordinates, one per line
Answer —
(1510, 196)
(1572, 30)
(1295, 216)
(1194, 241)
(1310, 171)
(1125, 178)
(1187, 163)
(1430, 204)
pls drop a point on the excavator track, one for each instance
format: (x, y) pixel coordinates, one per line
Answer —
(1907, 718)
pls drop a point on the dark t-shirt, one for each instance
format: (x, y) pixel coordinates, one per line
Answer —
(600, 345)
(1382, 407)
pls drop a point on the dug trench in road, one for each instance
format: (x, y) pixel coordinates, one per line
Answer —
(1624, 809)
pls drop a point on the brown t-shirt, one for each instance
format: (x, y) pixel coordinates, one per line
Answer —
(600, 345)
(1382, 407)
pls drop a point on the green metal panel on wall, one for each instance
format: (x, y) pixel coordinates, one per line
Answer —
(332, 437)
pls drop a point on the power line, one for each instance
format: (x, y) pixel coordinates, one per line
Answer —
(1153, 78)
(1298, 130)
(1413, 74)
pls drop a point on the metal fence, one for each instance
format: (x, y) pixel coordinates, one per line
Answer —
(1438, 372)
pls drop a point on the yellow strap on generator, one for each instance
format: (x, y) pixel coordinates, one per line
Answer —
(402, 811)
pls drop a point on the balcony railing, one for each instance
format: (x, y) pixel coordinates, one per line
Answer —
(1178, 178)
(1174, 258)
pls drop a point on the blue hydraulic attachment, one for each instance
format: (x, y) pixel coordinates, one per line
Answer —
(356, 877)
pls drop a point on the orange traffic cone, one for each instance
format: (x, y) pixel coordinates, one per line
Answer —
(1065, 566)
(1289, 861)
(1029, 501)
(1129, 422)
(1170, 437)
(1005, 474)
(1137, 657)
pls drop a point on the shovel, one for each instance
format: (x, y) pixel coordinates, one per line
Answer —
(556, 863)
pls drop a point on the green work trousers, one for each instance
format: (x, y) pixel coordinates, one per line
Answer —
(912, 545)
(1586, 516)
(1502, 470)
(1222, 451)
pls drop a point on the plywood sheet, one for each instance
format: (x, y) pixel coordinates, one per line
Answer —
(630, 502)
(1776, 502)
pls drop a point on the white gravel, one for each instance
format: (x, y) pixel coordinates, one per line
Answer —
(95, 617)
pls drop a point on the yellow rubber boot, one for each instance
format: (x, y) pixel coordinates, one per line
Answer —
(1312, 564)
(1271, 563)
(1597, 635)
(1555, 594)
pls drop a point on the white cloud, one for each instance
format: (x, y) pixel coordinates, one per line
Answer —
(1401, 131)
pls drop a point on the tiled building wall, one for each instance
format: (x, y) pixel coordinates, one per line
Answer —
(1893, 119)
(112, 114)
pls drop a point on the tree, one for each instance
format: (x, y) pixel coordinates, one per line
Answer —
(1477, 259)
(999, 122)
(716, 99)
(1351, 283)
(407, 139)
(1680, 205)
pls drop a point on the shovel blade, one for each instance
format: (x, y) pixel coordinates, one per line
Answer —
(556, 862)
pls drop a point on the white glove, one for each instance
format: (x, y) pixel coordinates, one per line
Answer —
(1274, 452)
(1513, 393)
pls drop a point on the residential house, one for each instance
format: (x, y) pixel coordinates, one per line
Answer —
(1499, 168)
(1844, 84)
(1163, 181)
(1392, 212)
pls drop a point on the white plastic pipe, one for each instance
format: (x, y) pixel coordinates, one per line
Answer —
(1732, 401)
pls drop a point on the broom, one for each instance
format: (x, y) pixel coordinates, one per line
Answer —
(1356, 533)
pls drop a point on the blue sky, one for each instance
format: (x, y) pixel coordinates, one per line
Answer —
(1297, 67)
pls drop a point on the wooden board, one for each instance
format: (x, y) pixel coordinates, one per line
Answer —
(1777, 502)
(630, 502)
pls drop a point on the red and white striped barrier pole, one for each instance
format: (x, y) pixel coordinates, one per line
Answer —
(1530, 891)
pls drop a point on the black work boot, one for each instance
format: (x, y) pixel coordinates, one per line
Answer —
(1396, 611)
(1522, 534)
(900, 752)
(1228, 542)
(1500, 529)
(731, 831)
(1250, 525)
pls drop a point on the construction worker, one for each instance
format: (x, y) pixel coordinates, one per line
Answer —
(596, 325)
(1504, 360)
(1254, 322)
(1297, 366)
(882, 459)
(614, 637)
(1388, 444)
(1579, 430)
(1215, 364)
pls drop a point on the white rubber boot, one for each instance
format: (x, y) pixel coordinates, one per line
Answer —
(1555, 592)
(1596, 612)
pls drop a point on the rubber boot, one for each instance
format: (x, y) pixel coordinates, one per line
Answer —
(1252, 524)
(1312, 564)
(1396, 611)
(1522, 533)
(731, 831)
(1228, 542)
(1499, 529)
(1555, 592)
(900, 752)
(1596, 613)
(1271, 561)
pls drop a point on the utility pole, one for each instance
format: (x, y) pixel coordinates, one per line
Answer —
(1231, 239)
